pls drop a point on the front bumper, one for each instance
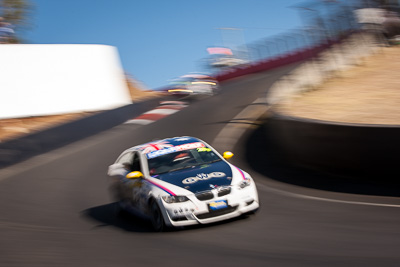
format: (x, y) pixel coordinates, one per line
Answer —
(239, 201)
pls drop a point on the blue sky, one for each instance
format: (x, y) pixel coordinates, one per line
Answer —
(159, 40)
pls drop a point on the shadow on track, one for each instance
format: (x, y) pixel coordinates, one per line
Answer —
(261, 156)
(110, 216)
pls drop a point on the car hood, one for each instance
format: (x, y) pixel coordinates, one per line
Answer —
(200, 178)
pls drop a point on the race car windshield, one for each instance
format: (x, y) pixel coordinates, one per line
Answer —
(181, 160)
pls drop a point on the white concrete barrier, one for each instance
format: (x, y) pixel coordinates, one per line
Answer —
(49, 79)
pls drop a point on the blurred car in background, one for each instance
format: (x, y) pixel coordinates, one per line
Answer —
(222, 58)
(194, 85)
(181, 181)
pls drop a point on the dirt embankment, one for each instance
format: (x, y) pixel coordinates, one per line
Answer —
(367, 94)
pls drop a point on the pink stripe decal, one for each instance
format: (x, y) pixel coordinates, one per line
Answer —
(162, 187)
(241, 172)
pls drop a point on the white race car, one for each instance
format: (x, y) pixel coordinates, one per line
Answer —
(192, 85)
(181, 181)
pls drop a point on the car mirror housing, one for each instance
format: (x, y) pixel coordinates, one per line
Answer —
(227, 155)
(134, 175)
(113, 168)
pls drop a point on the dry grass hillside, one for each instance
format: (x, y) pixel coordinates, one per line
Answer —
(367, 94)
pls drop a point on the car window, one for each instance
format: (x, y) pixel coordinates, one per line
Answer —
(136, 163)
(181, 160)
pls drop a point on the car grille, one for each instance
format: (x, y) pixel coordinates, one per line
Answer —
(224, 191)
(215, 213)
(206, 195)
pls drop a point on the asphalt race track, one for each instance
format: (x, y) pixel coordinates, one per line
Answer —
(56, 211)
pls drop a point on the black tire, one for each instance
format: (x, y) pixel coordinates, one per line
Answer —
(157, 219)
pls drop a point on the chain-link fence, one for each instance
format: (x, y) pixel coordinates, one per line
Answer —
(324, 22)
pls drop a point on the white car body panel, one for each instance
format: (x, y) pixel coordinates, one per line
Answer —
(194, 211)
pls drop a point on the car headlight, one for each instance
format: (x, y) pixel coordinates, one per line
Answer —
(174, 199)
(244, 183)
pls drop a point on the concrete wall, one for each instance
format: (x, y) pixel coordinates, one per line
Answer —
(48, 79)
(353, 150)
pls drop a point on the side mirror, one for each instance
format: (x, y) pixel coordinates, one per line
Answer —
(227, 155)
(134, 175)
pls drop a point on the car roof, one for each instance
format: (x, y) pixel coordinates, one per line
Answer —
(164, 143)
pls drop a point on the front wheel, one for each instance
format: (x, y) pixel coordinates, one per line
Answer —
(157, 219)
